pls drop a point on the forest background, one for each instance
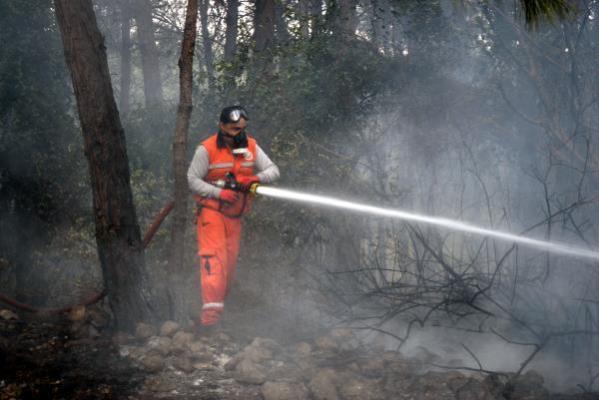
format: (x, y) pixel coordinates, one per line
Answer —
(481, 111)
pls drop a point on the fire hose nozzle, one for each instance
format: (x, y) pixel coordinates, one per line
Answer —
(253, 188)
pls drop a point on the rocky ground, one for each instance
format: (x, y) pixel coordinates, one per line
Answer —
(73, 358)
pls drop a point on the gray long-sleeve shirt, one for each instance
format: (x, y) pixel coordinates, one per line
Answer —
(267, 172)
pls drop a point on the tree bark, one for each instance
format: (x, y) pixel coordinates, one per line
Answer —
(232, 30)
(207, 43)
(315, 16)
(118, 235)
(282, 34)
(150, 63)
(342, 18)
(303, 10)
(264, 25)
(125, 57)
(177, 297)
(379, 27)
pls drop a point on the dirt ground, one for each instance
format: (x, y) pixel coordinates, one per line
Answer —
(72, 357)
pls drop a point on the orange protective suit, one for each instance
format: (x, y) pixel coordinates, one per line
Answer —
(219, 228)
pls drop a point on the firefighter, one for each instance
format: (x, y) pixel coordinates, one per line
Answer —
(223, 168)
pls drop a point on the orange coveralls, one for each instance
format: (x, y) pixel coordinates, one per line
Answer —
(219, 228)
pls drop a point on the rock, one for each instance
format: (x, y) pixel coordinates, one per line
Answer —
(222, 337)
(204, 366)
(156, 384)
(532, 377)
(162, 345)
(325, 343)
(280, 370)
(169, 328)
(398, 368)
(182, 339)
(324, 385)
(342, 334)
(303, 349)
(76, 313)
(92, 332)
(527, 387)
(362, 389)
(222, 360)
(232, 363)
(230, 348)
(284, 391)
(260, 350)
(197, 347)
(268, 344)
(183, 364)
(153, 363)
(372, 367)
(391, 356)
(143, 331)
(354, 367)
(136, 352)
(466, 388)
(433, 386)
(121, 338)
(247, 371)
(256, 354)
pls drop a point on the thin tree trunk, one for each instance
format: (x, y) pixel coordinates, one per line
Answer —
(117, 231)
(283, 36)
(231, 33)
(125, 57)
(341, 17)
(149, 53)
(303, 10)
(316, 16)
(309, 12)
(207, 43)
(264, 24)
(377, 19)
(178, 300)
(232, 30)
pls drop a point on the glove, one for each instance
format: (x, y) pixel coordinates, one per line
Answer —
(245, 181)
(228, 196)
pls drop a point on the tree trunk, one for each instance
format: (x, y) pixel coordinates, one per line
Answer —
(232, 30)
(379, 26)
(303, 10)
(125, 57)
(342, 18)
(207, 44)
(178, 300)
(316, 16)
(231, 33)
(282, 33)
(117, 231)
(264, 24)
(150, 63)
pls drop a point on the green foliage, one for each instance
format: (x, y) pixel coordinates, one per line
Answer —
(40, 149)
(43, 182)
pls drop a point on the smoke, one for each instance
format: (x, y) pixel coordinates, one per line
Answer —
(438, 110)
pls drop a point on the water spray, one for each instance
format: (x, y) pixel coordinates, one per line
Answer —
(553, 247)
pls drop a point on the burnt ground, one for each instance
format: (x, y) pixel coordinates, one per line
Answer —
(73, 358)
(42, 360)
